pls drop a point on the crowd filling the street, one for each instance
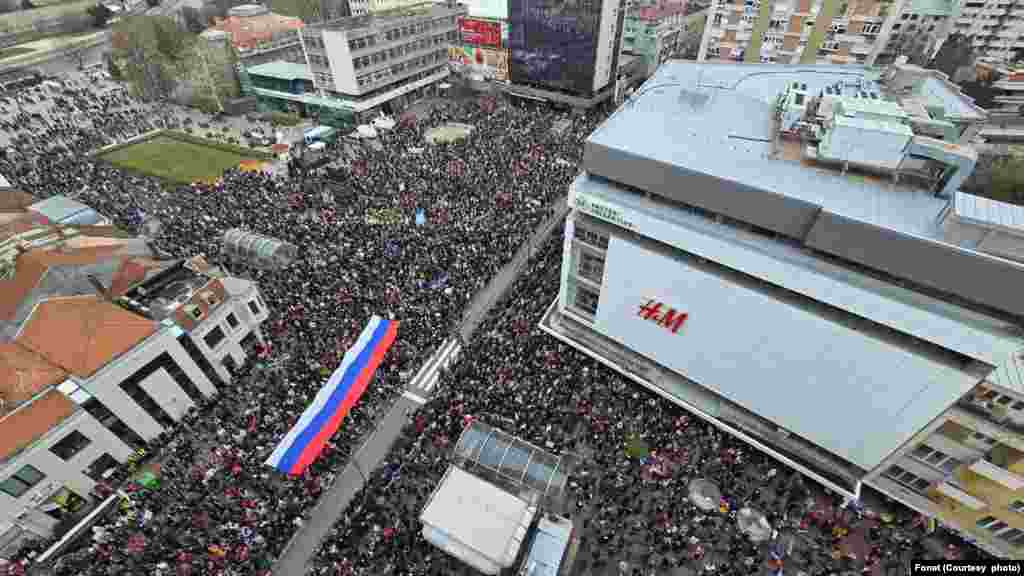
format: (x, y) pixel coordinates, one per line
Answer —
(218, 509)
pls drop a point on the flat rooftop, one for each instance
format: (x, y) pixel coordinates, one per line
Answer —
(704, 134)
(281, 70)
(387, 17)
(479, 516)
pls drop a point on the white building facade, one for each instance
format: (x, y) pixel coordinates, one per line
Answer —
(377, 59)
(92, 424)
(799, 308)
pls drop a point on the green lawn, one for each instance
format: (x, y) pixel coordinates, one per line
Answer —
(176, 160)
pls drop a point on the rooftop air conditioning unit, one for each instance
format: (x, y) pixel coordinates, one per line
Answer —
(194, 312)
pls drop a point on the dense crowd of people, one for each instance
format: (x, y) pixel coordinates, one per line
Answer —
(633, 512)
(218, 507)
(219, 510)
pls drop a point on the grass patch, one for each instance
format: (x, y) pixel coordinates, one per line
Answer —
(179, 157)
(14, 51)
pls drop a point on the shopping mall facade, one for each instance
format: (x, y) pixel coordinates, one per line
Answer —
(854, 317)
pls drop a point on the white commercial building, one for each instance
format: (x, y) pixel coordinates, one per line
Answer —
(89, 378)
(381, 60)
(783, 251)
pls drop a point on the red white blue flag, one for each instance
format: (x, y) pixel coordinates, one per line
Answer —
(322, 418)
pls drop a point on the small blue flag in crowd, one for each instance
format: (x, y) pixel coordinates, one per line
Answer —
(421, 217)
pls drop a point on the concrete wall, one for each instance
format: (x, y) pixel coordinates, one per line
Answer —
(59, 473)
(105, 384)
(340, 60)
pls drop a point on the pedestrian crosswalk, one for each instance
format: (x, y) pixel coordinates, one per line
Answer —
(430, 374)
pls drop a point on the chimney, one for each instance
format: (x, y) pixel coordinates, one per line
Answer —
(100, 289)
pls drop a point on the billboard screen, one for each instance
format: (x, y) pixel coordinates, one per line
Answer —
(480, 32)
(553, 43)
(479, 63)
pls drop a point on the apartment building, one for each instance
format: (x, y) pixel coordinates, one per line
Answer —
(758, 245)
(652, 31)
(380, 61)
(866, 32)
(103, 347)
(996, 27)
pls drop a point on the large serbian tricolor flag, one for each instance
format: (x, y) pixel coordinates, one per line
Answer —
(303, 443)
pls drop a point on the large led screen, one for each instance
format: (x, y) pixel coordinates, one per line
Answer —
(553, 43)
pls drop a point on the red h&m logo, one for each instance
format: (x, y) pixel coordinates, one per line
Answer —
(668, 318)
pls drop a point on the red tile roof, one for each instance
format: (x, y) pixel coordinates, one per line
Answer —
(19, 429)
(23, 374)
(248, 31)
(81, 334)
(32, 265)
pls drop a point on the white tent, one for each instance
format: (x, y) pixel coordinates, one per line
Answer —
(366, 131)
(384, 122)
(476, 522)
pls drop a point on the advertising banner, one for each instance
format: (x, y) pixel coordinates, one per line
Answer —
(480, 32)
(479, 63)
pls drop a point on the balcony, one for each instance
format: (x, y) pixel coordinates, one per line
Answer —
(998, 475)
(950, 491)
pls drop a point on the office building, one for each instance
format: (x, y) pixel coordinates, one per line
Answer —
(826, 31)
(784, 252)
(103, 346)
(995, 27)
(381, 61)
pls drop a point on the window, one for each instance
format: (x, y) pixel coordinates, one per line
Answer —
(586, 300)
(591, 267)
(100, 466)
(914, 17)
(232, 320)
(104, 416)
(214, 337)
(254, 307)
(22, 481)
(872, 28)
(904, 16)
(908, 479)
(70, 445)
(935, 458)
(591, 237)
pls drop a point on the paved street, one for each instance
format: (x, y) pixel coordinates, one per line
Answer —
(371, 454)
